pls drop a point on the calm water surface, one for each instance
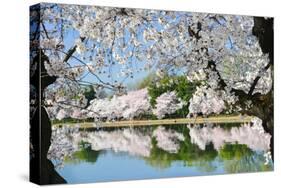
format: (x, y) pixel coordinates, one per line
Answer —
(82, 156)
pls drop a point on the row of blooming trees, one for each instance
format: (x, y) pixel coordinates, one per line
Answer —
(134, 104)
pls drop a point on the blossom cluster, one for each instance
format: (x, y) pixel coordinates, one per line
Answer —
(167, 103)
(206, 101)
(133, 104)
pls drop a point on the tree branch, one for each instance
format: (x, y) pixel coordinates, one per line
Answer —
(71, 51)
(255, 82)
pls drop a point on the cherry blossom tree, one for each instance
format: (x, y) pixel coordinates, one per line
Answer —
(207, 101)
(204, 45)
(230, 55)
(133, 104)
(166, 104)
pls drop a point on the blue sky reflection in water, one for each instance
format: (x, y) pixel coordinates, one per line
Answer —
(111, 166)
(161, 152)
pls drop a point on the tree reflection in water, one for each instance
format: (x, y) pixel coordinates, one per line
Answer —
(239, 158)
(240, 148)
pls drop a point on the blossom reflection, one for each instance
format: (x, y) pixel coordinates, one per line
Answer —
(173, 143)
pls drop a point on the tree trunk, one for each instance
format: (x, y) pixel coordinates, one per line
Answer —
(263, 104)
(42, 170)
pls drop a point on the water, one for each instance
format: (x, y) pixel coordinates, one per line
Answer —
(158, 152)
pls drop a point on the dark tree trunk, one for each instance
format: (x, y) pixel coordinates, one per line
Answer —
(264, 104)
(42, 170)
